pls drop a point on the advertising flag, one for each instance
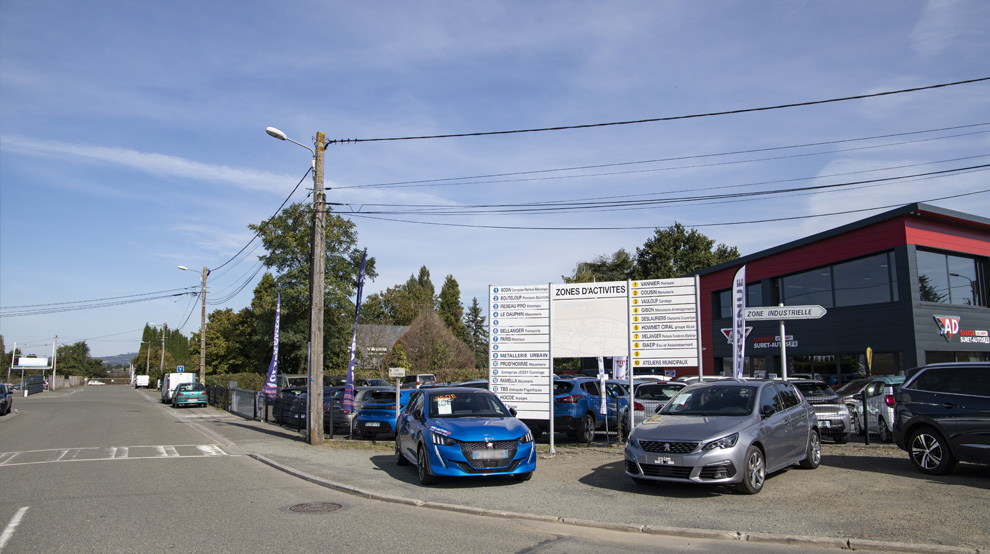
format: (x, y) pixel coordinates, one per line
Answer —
(349, 384)
(619, 367)
(739, 323)
(269, 388)
(602, 408)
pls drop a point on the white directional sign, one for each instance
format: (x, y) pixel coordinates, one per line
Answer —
(776, 313)
(519, 348)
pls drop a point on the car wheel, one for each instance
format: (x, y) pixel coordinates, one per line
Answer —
(523, 476)
(885, 435)
(426, 477)
(856, 425)
(587, 434)
(755, 472)
(929, 452)
(399, 458)
(813, 456)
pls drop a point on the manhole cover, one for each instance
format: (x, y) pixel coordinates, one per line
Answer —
(315, 507)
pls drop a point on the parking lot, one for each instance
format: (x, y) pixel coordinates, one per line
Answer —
(859, 491)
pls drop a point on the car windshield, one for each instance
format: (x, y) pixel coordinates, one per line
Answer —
(712, 401)
(852, 387)
(815, 389)
(466, 404)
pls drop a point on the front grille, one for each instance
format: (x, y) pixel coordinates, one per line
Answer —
(656, 470)
(664, 447)
(509, 446)
(470, 468)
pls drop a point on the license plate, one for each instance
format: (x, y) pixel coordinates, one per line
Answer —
(371, 424)
(666, 461)
(489, 454)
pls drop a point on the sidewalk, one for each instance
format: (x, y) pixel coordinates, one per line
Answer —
(586, 486)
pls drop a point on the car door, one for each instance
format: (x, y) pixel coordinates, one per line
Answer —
(962, 399)
(775, 424)
(798, 421)
(408, 428)
(593, 400)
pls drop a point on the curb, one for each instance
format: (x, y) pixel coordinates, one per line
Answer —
(765, 538)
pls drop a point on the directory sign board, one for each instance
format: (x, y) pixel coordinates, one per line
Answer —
(519, 348)
(663, 323)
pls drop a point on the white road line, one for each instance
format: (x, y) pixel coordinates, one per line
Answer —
(9, 530)
(62, 455)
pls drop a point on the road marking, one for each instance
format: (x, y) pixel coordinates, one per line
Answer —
(9, 530)
(99, 453)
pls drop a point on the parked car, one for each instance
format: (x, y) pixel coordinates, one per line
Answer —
(650, 397)
(283, 401)
(942, 416)
(189, 394)
(95, 382)
(299, 408)
(376, 419)
(880, 406)
(416, 380)
(577, 409)
(6, 399)
(462, 432)
(833, 416)
(371, 383)
(726, 432)
(342, 421)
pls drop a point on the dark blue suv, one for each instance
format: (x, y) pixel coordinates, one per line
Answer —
(577, 409)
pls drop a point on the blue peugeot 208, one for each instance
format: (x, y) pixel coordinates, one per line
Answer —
(461, 432)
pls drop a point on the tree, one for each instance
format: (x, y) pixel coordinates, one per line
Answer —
(74, 359)
(474, 323)
(432, 348)
(401, 304)
(674, 252)
(450, 309)
(287, 237)
(619, 267)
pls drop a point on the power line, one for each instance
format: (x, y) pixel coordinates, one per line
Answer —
(437, 182)
(671, 118)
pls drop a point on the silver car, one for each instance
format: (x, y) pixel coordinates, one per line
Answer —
(650, 397)
(726, 432)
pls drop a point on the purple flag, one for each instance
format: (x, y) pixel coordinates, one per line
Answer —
(349, 384)
(738, 323)
(268, 390)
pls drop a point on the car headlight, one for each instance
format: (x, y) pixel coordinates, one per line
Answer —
(442, 440)
(724, 442)
(632, 441)
(527, 438)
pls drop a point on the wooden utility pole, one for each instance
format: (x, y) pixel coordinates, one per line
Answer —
(202, 333)
(316, 293)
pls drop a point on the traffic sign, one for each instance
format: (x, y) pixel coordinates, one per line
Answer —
(180, 368)
(396, 372)
(777, 313)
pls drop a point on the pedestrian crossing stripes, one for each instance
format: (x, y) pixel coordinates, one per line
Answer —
(110, 453)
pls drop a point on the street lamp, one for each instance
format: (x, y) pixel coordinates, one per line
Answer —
(314, 387)
(202, 328)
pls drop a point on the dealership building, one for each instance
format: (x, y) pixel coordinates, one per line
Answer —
(900, 289)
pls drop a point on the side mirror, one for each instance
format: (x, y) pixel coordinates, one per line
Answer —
(513, 412)
(417, 413)
(767, 411)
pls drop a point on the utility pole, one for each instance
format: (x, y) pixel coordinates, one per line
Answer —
(161, 366)
(316, 292)
(202, 333)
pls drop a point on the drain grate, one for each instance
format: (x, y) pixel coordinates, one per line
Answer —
(315, 507)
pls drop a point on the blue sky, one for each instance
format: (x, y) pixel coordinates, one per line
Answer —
(132, 135)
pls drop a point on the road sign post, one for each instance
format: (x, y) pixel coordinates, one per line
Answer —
(782, 313)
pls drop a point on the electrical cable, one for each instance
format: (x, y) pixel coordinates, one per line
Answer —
(671, 118)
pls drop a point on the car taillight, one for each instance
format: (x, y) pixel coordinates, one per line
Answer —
(638, 407)
(889, 400)
(569, 399)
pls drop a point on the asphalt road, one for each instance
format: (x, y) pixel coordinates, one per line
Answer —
(108, 469)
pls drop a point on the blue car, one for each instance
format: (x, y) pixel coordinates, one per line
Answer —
(462, 432)
(376, 418)
(577, 409)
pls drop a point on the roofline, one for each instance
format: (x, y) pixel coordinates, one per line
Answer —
(917, 208)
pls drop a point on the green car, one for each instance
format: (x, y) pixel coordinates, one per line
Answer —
(189, 394)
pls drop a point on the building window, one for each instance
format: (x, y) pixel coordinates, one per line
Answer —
(869, 280)
(863, 281)
(951, 279)
(723, 300)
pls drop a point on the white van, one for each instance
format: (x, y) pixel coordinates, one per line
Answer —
(172, 380)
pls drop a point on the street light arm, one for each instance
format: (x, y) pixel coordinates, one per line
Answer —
(272, 131)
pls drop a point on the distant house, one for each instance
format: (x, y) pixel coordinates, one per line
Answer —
(374, 342)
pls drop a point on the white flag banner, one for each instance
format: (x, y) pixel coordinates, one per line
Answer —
(738, 322)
